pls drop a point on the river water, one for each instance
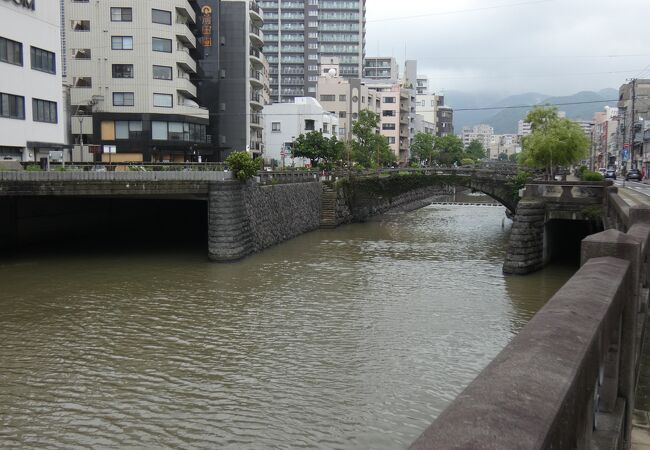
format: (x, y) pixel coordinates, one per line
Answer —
(354, 338)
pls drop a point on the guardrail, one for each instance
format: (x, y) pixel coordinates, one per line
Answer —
(127, 167)
(567, 380)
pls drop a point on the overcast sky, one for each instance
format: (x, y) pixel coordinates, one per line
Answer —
(554, 47)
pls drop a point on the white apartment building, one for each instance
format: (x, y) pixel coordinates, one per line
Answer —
(482, 133)
(503, 144)
(130, 72)
(284, 122)
(346, 98)
(523, 128)
(32, 117)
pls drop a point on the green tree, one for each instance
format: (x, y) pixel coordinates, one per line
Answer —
(554, 141)
(317, 148)
(243, 166)
(475, 150)
(448, 149)
(369, 148)
(422, 147)
(514, 158)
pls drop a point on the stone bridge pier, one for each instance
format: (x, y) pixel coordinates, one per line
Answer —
(546, 211)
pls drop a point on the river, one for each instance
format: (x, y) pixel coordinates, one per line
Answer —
(353, 338)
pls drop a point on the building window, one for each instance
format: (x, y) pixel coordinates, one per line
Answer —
(160, 16)
(343, 98)
(121, 15)
(388, 113)
(44, 111)
(163, 100)
(12, 106)
(325, 128)
(391, 139)
(389, 99)
(81, 25)
(275, 127)
(387, 126)
(81, 53)
(162, 73)
(128, 129)
(82, 82)
(178, 131)
(161, 45)
(122, 42)
(310, 125)
(327, 98)
(122, 70)
(123, 99)
(43, 60)
(343, 114)
(11, 51)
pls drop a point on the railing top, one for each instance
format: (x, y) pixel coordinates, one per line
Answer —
(531, 394)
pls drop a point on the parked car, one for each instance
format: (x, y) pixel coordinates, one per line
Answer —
(602, 171)
(610, 174)
(633, 174)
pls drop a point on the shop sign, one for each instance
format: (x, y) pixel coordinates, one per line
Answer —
(206, 28)
(27, 4)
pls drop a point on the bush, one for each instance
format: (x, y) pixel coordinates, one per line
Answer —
(242, 165)
(33, 168)
(588, 175)
(466, 162)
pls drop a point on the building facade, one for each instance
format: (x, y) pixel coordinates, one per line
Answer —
(243, 84)
(444, 121)
(131, 70)
(346, 98)
(298, 33)
(482, 133)
(284, 122)
(380, 68)
(634, 112)
(32, 116)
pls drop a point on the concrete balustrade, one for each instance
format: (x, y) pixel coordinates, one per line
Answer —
(567, 381)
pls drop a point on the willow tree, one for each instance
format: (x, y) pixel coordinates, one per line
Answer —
(554, 141)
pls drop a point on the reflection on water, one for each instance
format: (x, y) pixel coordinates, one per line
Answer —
(344, 339)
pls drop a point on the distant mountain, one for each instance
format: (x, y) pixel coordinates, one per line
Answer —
(582, 105)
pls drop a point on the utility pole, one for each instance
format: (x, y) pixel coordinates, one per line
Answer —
(632, 122)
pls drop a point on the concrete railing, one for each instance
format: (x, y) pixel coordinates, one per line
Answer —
(568, 379)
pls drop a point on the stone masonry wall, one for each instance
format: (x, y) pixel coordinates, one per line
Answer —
(525, 253)
(281, 212)
(361, 209)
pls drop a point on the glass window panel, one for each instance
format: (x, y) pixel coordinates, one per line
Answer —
(121, 129)
(159, 130)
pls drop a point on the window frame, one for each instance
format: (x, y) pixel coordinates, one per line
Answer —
(155, 39)
(121, 42)
(19, 52)
(171, 72)
(121, 9)
(8, 106)
(124, 96)
(41, 104)
(153, 16)
(43, 53)
(114, 72)
(159, 95)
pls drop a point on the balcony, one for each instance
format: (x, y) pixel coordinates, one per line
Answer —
(256, 100)
(199, 113)
(256, 57)
(185, 87)
(185, 9)
(185, 61)
(257, 122)
(255, 12)
(257, 36)
(184, 34)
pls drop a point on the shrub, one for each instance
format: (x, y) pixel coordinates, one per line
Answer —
(466, 162)
(33, 168)
(588, 175)
(242, 165)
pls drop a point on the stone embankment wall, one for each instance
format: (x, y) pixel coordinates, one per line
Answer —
(243, 219)
(525, 253)
(358, 202)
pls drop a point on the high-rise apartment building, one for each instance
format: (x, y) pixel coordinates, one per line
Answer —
(31, 93)
(299, 32)
(131, 68)
(241, 81)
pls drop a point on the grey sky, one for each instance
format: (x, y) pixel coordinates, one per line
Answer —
(555, 47)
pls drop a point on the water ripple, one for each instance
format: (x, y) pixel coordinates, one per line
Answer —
(345, 339)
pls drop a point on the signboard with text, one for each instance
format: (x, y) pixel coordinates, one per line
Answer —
(27, 4)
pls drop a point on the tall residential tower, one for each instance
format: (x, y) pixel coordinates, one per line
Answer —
(298, 33)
